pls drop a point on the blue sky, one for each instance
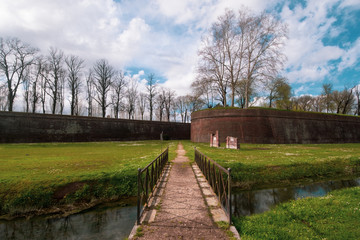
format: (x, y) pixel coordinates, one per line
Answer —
(163, 36)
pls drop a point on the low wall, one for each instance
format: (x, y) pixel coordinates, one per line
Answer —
(274, 126)
(27, 127)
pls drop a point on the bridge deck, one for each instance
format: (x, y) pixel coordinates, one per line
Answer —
(181, 212)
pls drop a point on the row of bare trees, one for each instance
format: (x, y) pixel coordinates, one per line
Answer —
(48, 81)
(346, 101)
(331, 101)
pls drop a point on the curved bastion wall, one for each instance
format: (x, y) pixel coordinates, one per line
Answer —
(274, 126)
(27, 127)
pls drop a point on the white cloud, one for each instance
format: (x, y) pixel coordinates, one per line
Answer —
(351, 57)
(308, 57)
(355, 4)
(182, 11)
(164, 36)
(84, 28)
(301, 89)
(130, 43)
(138, 75)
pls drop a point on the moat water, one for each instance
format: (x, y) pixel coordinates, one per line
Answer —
(117, 222)
(245, 203)
(110, 223)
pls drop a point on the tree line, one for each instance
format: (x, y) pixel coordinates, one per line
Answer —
(46, 82)
(346, 101)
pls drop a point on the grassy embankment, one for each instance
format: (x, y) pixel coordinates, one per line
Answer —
(263, 165)
(334, 216)
(38, 176)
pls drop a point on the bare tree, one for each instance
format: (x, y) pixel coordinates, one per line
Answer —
(131, 96)
(62, 93)
(193, 103)
(103, 76)
(160, 100)
(169, 99)
(349, 100)
(90, 92)
(242, 91)
(357, 94)
(151, 88)
(3, 98)
(74, 66)
(27, 85)
(118, 87)
(205, 88)
(227, 30)
(142, 104)
(243, 47)
(37, 78)
(326, 92)
(182, 107)
(318, 104)
(15, 57)
(304, 103)
(264, 41)
(43, 86)
(55, 78)
(211, 67)
(343, 100)
(174, 110)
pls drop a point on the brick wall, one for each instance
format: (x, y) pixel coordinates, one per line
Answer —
(26, 127)
(274, 126)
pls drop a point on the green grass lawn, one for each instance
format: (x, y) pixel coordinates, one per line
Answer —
(334, 216)
(35, 176)
(30, 174)
(260, 165)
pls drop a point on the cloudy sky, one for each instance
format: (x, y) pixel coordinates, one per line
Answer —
(163, 36)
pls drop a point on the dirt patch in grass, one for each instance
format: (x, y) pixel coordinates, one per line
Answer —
(70, 188)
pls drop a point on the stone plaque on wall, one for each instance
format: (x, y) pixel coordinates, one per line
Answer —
(214, 139)
(232, 143)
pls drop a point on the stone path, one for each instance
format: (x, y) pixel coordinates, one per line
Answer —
(182, 212)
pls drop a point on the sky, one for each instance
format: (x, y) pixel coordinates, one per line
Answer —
(164, 36)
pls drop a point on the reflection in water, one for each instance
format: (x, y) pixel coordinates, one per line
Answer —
(246, 203)
(114, 223)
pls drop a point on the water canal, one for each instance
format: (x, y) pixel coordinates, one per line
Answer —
(100, 223)
(117, 222)
(245, 203)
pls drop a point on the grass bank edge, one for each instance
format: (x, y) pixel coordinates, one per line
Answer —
(257, 176)
(334, 216)
(40, 197)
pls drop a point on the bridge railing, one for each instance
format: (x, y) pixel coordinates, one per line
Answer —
(218, 178)
(148, 177)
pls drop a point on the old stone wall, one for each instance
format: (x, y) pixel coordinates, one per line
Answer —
(274, 126)
(26, 127)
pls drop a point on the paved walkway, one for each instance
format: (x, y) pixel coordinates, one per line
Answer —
(182, 212)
